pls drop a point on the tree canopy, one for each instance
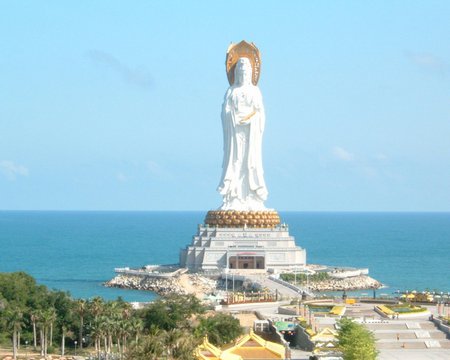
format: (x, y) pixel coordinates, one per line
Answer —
(170, 327)
(220, 328)
(355, 341)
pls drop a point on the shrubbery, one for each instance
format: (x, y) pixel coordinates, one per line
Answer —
(355, 341)
(302, 278)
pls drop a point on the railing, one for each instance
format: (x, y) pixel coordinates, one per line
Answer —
(150, 273)
(298, 289)
(342, 274)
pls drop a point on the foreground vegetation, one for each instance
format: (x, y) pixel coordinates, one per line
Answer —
(355, 341)
(303, 278)
(51, 321)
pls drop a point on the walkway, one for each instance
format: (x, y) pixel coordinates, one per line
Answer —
(415, 338)
(273, 285)
(418, 339)
(410, 339)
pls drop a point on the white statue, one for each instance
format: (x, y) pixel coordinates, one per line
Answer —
(242, 185)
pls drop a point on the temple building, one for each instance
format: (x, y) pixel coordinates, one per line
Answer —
(249, 347)
(242, 233)
(258, 246)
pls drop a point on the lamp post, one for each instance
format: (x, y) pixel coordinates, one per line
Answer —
(307, 281)
(26, 349)
(226, 282)
(75, 342)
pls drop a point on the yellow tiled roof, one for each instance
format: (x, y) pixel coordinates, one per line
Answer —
(250, 346)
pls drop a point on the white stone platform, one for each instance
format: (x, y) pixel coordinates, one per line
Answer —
(215, 248)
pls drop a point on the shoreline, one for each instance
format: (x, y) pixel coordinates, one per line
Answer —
(361, 282)
(201, 286)
(183, 284)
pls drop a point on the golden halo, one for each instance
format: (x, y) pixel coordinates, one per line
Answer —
(237, 51)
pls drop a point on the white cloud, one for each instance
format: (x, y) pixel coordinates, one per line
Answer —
(428, 61)
(380, 156)
(121, 177)
(154, 168)
(157, 171)
(342, 154)
(138, 76)
(11, 170)
(370, 171)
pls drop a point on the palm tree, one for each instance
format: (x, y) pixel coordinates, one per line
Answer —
(176, 344)
(63, 338)
(97, 333)
(103, 327)
(113, 314)
(125, 330)
(14, 318)
(80, 309)
(52, 319)
(96, 306)
(47, 319)
(34, 319)
(127, 310)
(40, 326)
(136, 326)
(39, 316)
(152, 348)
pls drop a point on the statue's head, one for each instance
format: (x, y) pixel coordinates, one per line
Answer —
(243, 72)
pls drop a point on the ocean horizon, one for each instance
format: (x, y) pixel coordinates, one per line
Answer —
(77, 251)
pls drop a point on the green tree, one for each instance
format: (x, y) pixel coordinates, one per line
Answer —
(14, 318)
(172, 312)
(355, 341)
(220, 328)
(136, 327)
(179, 344)
(34, 319)
(174, 344)
(97, 333)
(52, 319)
(46, 320)
(96, 307)
(151, 348)
(81, 310)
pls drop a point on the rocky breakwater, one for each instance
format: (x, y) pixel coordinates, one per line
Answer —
(351, 283)
(161, 286)
(182, 284)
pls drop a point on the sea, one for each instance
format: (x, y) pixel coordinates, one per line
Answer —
(77, 251)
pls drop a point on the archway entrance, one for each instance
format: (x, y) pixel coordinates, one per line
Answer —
(246, 262)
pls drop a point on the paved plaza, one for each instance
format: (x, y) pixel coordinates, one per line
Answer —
(411, 339)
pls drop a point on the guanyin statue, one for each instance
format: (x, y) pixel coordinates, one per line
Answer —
(242, 185)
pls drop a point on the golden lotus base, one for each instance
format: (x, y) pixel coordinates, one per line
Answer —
(237, 219)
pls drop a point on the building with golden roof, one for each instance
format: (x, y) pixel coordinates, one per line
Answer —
(250, 346)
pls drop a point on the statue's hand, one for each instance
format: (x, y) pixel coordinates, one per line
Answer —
(247, 118)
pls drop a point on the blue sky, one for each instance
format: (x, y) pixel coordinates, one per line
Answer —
(108, 105)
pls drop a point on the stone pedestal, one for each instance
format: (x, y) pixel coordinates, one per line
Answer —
(260, 246)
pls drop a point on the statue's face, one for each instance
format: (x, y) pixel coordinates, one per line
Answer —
(243, 74)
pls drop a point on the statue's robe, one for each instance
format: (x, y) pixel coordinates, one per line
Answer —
(242, 184)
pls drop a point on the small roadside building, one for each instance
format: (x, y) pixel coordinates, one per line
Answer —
(325, 344)
(250, 346)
